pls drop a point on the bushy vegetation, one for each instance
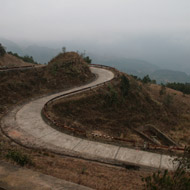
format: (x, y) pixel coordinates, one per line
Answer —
(117, 95)
(26, 58)
(64, 72)
(145, 79)
(183, 87)
(2, 51)
(162, 90)
(19, 158)
(112, 96)
(87, 59)
(125, 85)
(177, 180)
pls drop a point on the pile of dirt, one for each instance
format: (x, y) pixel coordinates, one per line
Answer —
(63, 72)
(11, 61)
(106, 112)
(68, 67)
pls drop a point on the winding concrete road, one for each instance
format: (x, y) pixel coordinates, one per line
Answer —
(25, 125)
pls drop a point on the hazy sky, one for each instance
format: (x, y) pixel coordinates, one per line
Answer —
(133, 27)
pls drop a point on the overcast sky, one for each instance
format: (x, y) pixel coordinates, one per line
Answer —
(142, 24)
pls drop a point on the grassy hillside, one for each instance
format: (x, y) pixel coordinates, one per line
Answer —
(11, 61)
(62, 72)
(107, 111)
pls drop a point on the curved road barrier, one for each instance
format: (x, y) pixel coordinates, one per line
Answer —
(25, 126)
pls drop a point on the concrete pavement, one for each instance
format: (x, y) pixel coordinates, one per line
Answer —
(25, 125)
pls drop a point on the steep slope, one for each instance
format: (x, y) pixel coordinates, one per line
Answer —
(110, 112)
(11, 61)
(19, 86)
(62, 72)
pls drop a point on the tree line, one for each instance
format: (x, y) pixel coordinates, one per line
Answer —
(183, 87)
(26, 58)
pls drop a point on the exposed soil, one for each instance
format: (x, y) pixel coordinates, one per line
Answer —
(177, 104)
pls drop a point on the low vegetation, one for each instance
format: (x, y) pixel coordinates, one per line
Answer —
(183, 87)
(90, 174)
(26, 58)
(146, 79)
(179, 179)
(113, 110)
(18, 86)
(2, 51)
(126, 104)
(87, 59)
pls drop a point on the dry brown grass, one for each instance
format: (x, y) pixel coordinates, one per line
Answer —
(90, 113)
(92, 174)
(179, 131)
(18, 86)
(12, 61)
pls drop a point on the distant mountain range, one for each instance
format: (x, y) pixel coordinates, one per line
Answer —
(142, 68)
(40, 54)
(136, 67)
(164, 76)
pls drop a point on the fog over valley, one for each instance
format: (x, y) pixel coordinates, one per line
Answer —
(138, 37)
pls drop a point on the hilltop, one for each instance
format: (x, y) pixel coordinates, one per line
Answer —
(63, 72)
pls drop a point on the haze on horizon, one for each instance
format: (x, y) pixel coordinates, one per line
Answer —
(152, 30)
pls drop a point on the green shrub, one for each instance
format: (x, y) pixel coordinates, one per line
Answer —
(2, 51)
(112, 96)
(87, 59)
(19, 158)
(162, 90)
(146, 79)
(168, 99)
(177, 180)
(125, 85)
(26, 58)
(183, 87)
